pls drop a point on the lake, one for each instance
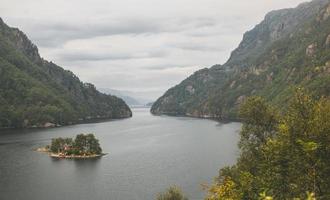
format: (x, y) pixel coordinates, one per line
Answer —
(147, 154)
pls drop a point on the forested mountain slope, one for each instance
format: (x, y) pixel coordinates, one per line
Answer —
(38, 93)
(290, 47)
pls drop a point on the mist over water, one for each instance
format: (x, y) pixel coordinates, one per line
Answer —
(147, 154)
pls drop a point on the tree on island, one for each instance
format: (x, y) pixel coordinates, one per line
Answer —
(83, 144)
(59, 145)
(87, 144)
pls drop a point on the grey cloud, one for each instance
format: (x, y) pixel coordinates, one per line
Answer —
(93, 57)
(90, 56)
(196, 22)
(161, 67)
(55, 34)
(198, 47)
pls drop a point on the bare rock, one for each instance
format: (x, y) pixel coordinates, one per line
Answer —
(311, 49)
(270, 77)
(49, 125)
(326, 13)
(190, 89)
(327, 41)
(232, 84)
(240, 99)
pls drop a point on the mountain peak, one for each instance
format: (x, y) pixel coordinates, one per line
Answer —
(281, 52)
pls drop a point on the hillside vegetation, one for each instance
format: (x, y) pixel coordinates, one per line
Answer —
(289, 48)
(38, 93)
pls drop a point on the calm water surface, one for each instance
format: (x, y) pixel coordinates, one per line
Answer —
(147, 154)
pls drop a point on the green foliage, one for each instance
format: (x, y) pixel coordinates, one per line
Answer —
(83, 144)
(87, 144)
(172, 193)
(58, 144)
(264, 196)
(224, 191)
(260, 120)
(284, 155)
(34, 91)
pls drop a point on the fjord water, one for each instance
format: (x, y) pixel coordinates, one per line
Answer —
(147, 154)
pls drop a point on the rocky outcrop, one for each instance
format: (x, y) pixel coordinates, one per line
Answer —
(190, 89)
(49, 125)
(311, 49)
(327, 41)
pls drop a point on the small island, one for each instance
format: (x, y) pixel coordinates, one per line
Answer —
(83, 146)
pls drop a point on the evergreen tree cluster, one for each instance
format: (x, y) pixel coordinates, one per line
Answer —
(83, 144)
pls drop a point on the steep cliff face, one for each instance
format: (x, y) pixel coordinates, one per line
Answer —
(290, 47)
(35, 92)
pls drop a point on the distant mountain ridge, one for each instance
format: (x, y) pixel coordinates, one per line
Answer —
(38, 93)
(131, 98)
(131, 101)
(290, 47)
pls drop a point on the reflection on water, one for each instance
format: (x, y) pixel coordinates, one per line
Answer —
(146, 155)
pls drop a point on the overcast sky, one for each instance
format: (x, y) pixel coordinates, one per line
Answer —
(142, 46)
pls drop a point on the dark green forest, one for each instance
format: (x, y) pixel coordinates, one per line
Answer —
(38, 93)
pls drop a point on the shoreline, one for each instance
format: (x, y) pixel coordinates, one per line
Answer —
(87, 121)
(59, 156)
(225, 120)
(53, 155)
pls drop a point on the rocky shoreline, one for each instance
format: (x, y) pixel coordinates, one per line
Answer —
(205, 116)
(54, 155)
